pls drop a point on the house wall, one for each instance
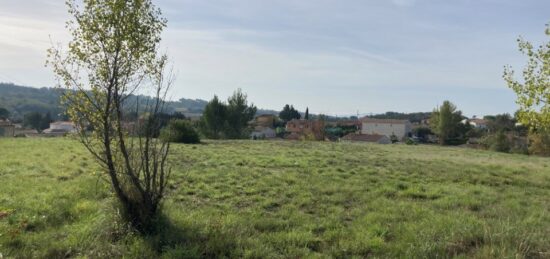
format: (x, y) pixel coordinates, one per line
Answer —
(267, 133)
(7, 131)
(478, 126)
(65, 126)
(303, 127)
(400, 130)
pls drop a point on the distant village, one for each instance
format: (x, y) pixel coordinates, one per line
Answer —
(31, 112)
(366, 129)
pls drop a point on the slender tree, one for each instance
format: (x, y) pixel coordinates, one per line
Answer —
(445, 122)
(214, 118)
(307, 114)
(239, 113)
(533, 92)
(113, 54)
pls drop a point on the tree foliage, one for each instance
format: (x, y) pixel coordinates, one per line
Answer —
(498, 141)
(288, 113)
(227, 120)
(213, 119)
(45, 121)
(112, 55)
(239, 113)
(37, 121)
(415, 117)
(180, 131)
(155, 122)
(33, 120)
(533, 92)
(500, 122)
(539, 143)
(422, 133)
(4, 113)
(446, 123)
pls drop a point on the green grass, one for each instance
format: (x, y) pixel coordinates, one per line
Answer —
(283, 200)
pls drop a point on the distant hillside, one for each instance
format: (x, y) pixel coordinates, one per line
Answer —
(412, 117)
(20, 100)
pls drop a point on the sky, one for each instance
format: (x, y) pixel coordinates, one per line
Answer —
(337, 57)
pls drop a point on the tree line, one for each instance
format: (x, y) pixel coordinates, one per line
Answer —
(227, 119)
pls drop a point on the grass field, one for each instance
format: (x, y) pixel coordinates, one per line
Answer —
(283, 200)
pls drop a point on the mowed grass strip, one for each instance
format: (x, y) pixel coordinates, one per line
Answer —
(279, 199)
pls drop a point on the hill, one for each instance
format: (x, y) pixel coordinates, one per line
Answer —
(257, 199)
(20, 100)
(415, 117)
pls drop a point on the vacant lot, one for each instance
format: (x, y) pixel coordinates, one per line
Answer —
(283, 199)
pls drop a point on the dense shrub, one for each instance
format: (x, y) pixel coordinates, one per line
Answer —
(501, 143)
(281, 132)
(411, 142)
(520, 146)
(335, 132)
(497, 142)
(539, 143)
(505, 142)
(180, 131)
(476, 133)
(308, 137)
(422, 133)
(456, 141)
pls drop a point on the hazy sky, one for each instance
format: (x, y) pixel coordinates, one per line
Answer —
(335, 56)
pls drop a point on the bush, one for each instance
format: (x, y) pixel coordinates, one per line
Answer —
(281, 132)
(180, 131)
(497, 142)
(422, 133)
(501, 143)
(308, 137)
(411, 142)
(539, 143)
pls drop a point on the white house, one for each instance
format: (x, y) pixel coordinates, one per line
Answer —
(399, 128)
(476, 123)
(61, 127)
(263, 132)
